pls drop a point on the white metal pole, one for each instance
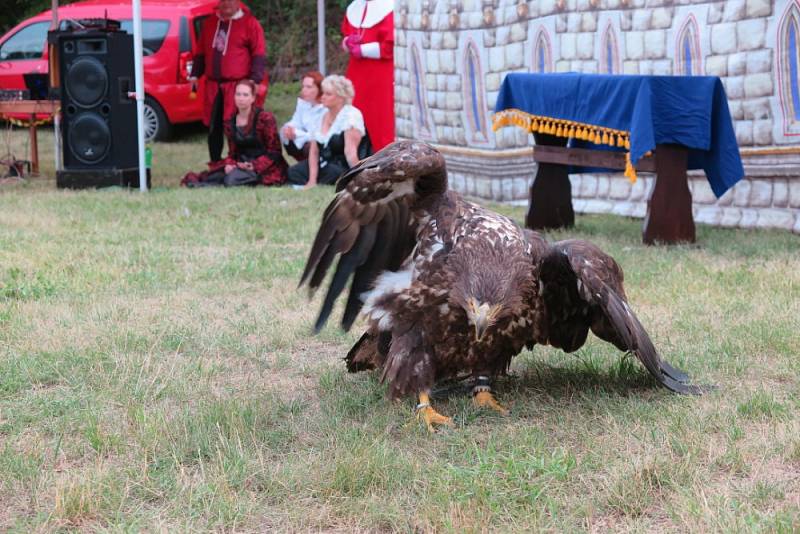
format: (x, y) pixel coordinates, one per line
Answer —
(321, 35)
(54, 65)
(139, 78)
(57, 140)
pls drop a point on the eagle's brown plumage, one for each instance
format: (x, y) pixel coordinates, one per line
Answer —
(449, 287)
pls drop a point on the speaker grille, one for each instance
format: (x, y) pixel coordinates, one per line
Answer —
(86, 81)
(95, 68)
(89, 137)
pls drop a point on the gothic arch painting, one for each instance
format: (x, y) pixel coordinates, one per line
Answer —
(419, 98)
(788, 66)
(687, 49)
(542, 52)
(474, 99)
(609, 52)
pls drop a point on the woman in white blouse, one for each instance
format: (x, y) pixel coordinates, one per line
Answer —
(339, 143)
(296, 133)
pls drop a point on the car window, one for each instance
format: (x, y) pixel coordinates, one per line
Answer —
(198, 26)
(184, 39)
(27, 43)
(153, 34)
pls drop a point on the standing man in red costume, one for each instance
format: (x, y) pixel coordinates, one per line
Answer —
(368, 30)
(232, 48)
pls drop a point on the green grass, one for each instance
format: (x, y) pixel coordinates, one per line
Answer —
(157, 373)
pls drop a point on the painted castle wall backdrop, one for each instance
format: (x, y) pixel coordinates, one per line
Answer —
(451, 57)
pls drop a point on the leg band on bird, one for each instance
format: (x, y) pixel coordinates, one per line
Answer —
(482, 395)
(482, 383)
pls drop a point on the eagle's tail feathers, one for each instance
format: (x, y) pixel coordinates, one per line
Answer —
(364, 355)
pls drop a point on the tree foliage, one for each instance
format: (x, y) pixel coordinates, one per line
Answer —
(15, 11)
(290, 27)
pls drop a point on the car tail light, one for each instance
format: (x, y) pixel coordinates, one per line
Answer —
(184, 67)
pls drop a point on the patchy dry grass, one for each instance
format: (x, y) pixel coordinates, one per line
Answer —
(157, 373)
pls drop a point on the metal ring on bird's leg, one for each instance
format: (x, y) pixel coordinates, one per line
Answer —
(482, 383)
(422, 405)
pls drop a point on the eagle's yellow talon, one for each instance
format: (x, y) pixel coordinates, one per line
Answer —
(430, 416)
(485, 399)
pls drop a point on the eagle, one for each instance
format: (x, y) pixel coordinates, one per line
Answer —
(450, 289)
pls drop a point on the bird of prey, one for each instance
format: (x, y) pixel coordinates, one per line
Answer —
(449, 288)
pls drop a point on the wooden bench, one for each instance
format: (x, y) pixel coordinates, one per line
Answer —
(31, 108)
(669, 210)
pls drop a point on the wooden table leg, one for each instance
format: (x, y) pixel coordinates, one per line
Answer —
(34, 146)
(669, 210)
(550, 203)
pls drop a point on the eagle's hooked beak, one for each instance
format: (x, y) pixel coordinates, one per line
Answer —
(482, 318)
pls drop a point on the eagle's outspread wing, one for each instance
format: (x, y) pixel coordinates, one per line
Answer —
(373, 220)
(582, 289)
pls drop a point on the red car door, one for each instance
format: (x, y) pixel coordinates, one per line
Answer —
(23, 51)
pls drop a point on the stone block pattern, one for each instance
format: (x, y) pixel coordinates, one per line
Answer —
(768, 199)
(758, 202)
(737, 46)
(737, 51)
(481, 174)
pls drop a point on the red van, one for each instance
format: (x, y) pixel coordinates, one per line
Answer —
(170, 29)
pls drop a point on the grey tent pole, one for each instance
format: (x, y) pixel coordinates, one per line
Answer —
(139, 77)
(321, 35)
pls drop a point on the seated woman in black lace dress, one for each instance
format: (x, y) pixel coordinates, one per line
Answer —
(254, 156)
(341, 140)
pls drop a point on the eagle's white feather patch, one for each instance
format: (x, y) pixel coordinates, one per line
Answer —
(387, 283)
(386, 322)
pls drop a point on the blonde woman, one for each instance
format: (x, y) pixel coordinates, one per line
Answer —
(340, 141)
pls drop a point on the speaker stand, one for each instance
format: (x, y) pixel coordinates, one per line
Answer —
(86, 178)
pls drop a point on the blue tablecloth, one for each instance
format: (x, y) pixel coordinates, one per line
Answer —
(686, 110)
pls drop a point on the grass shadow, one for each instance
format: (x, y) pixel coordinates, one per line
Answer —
(624, 377)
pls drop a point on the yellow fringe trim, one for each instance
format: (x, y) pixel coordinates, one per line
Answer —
(630, 171)
(599, 135)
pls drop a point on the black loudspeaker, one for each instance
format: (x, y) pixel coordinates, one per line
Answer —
(98, 125)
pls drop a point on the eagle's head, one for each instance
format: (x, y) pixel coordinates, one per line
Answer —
(487, 287)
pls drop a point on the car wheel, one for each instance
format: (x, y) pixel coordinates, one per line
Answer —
(156, 124)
